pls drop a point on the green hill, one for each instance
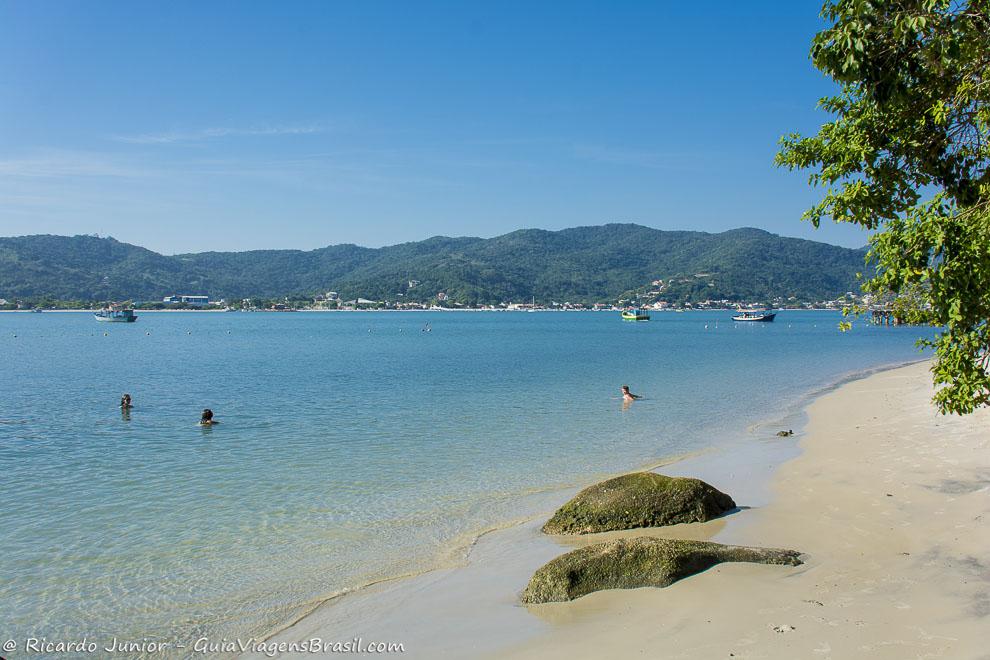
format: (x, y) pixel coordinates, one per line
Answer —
(584, 264)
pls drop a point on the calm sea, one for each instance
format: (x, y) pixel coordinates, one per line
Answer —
(352, 446)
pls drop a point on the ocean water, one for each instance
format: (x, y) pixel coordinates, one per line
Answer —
(352, 446)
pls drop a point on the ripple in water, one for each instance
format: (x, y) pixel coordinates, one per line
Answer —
(343, 456)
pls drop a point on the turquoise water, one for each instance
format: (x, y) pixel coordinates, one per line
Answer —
(352, 446)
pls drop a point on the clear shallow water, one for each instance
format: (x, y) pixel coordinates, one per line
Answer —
(352, 446)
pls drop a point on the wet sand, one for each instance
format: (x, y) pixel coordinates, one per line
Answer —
(889, 501)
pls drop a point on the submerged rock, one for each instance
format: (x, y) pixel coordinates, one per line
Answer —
(640, 499)
(639, 562)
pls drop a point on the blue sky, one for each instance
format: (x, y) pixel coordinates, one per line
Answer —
(239, 125)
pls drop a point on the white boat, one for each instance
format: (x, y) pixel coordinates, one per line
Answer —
(765, 316)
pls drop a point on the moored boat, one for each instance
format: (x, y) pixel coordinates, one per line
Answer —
(115, 314)
(765, 316)
(635, 315)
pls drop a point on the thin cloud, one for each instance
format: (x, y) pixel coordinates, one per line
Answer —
(357, 171)
(171, 137)
(52, 164)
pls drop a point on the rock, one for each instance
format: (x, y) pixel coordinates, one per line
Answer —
(641, 499)
(639, 562)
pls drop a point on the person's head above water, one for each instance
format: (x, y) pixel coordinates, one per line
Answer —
(627, 395)
(207, 415)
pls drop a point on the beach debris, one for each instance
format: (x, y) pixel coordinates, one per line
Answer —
(645, 561)
(784, 628)
(640, 499)
(785, 434)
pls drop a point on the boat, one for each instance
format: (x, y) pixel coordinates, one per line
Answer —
(635, 315)
(764, 316)
(115, 314)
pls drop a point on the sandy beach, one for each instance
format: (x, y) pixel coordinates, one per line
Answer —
(887, 499)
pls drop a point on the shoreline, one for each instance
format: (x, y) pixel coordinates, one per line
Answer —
(888, 502)
(419, 311)
(518, 547)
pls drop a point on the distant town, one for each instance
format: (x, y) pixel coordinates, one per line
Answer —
(650, 299)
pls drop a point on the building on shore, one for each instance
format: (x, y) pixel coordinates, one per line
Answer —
(360, 302)
(187, 299)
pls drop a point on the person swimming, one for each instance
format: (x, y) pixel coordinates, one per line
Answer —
(125, 402)
(207, 418)
(629, 396)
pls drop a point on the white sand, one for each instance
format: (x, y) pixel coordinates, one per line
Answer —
(892, 504)
(904, 575)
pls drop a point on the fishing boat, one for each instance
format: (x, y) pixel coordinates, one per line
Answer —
(764, 316)
(115, 314)
(635, 315)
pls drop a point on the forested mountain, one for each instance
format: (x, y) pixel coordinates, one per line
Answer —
(583, 264)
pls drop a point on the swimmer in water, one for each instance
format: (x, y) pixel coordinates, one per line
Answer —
(207, 418)
(629, 396)
(125, 402)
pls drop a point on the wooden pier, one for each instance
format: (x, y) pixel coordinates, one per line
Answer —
(884, 316)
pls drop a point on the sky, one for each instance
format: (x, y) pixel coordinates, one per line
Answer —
(192, 126)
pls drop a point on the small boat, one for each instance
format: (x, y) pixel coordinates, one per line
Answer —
(115, 314)
(635, 315)
(765, 316)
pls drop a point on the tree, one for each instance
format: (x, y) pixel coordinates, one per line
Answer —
(907, 157)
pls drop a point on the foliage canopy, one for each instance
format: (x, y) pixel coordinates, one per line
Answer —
(908, 157)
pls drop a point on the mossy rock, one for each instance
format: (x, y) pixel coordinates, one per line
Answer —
(640, 499)
(639, 562)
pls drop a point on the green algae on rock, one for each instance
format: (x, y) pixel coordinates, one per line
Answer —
(640, 499)
(645, 561)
